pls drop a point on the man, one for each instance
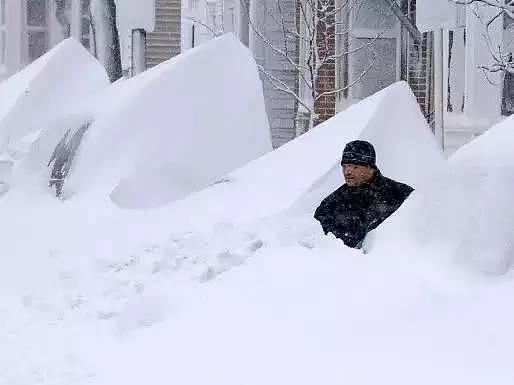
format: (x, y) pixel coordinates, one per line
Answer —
(366, 199)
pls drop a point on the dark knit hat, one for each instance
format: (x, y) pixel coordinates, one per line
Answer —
(359, 152)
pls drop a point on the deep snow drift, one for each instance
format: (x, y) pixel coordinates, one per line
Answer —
(237, 284)
(58, 82)
(463, 214)
(170, 131)
(296, 176)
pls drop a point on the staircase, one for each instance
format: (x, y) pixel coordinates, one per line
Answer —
(164, 42)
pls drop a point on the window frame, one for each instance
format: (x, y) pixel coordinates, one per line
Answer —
(356, 33)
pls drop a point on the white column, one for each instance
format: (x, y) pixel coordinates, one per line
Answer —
(229, 16)
(75, 20)
(243, 27)
(439, 86)
(14, 28)
(55, 31)
(138, 57)
(483, 99)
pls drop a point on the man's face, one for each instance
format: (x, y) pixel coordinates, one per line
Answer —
(356, 175)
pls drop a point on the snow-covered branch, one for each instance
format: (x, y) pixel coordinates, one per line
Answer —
(506, 6)
(307, 46)
(199, 22)
(501, 61)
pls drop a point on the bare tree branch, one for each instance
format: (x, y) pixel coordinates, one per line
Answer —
(501, 61)
(194, 20)
(315, 28)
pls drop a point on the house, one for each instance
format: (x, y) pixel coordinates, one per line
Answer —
(371, 43)
(204, 19)
(29, 28)
(164, 40)
(441, 67)
(259, 24)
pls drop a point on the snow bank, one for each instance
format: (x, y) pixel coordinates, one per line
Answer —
(299, 174)
(93, 294)
(464, 214)
(406, 148)
(174, 129)
(56, 83)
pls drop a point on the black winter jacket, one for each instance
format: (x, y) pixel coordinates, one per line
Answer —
(351, 212)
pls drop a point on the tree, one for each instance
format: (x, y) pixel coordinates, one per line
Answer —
(106, 40)
(315, 32)
(501, 60)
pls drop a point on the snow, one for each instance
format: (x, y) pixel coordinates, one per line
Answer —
(214, 129)
(47, 89)
(463, 215)
(238, 284)
(176, 127)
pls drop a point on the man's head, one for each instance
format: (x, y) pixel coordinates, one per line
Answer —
(358, 162)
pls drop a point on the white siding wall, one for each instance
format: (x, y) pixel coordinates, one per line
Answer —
(281, 107)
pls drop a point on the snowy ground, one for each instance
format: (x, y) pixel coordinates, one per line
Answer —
(131, 297)
(275, 302)
(236, 284)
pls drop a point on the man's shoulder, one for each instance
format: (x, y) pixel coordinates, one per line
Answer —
(392, 186)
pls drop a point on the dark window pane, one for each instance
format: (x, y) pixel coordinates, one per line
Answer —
(84, 27)
(85, 7)
(373, 14)
(36, 13)
(376, 69)
(37, 44)
(86, 43)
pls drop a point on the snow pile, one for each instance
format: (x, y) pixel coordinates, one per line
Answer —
(58, 82)
(320, 314)
(464, 214)
(170, 131)
(406, 148)
(299, 174)
(282, 303)
(201, 292)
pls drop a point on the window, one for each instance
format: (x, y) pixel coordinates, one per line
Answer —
(36, 26)
(374, 41)
(36, 13)
(3, 39)
(376, 67)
